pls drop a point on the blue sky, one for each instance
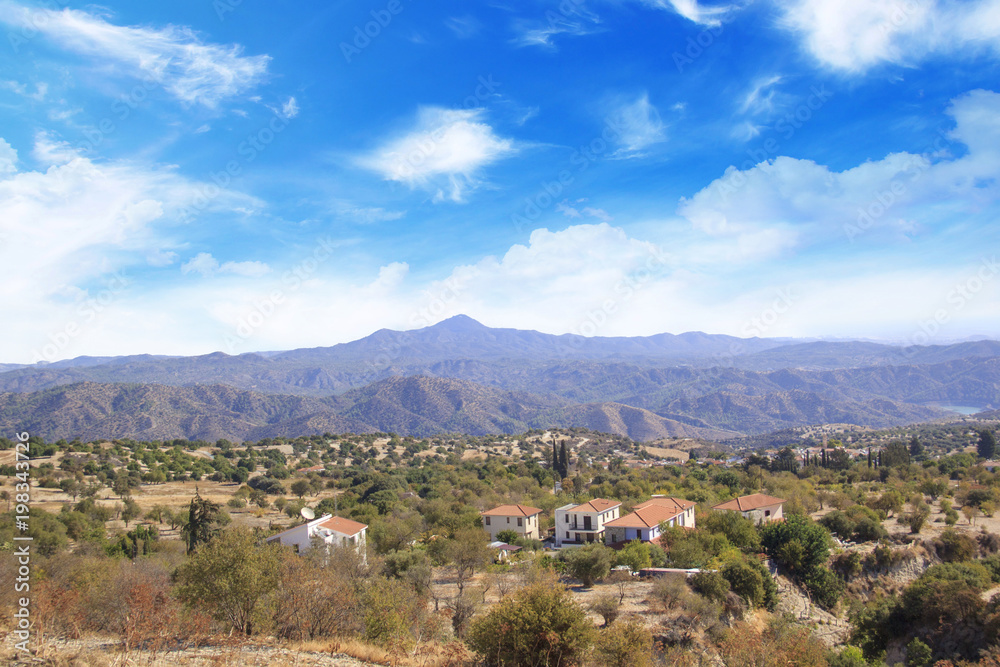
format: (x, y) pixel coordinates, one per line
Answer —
(237, 176)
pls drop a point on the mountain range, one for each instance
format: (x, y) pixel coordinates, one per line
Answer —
(461, 376)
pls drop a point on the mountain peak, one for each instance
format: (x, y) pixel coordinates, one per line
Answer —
(460, 323)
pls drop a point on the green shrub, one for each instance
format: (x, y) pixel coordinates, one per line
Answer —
(625, 644)
(712, 585)
(539, 625)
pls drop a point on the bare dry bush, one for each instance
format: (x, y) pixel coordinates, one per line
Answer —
(316, 600)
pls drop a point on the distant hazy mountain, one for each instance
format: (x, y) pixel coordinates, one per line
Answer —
(415, 405)
(459, 375)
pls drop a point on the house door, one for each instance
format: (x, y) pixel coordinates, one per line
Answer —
(586, 523)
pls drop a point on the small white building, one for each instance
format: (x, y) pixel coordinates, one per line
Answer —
(522, 519)
(757, 507)
(580, 524)
(335, 531)
(644, 522)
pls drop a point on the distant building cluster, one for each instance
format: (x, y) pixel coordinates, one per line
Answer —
(600, 520)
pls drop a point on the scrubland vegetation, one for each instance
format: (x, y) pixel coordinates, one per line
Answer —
(156, 550)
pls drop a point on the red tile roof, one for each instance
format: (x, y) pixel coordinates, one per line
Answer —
(342, 525)
(596, 505)
(661, 501)
(645, 517)
(751, 502)
(513, 510)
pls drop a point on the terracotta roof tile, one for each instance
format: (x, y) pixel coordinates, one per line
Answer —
(751, 502)
(513, 510)
(343, 526)
(596, 505)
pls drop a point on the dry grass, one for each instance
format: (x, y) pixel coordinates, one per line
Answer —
(92, 651)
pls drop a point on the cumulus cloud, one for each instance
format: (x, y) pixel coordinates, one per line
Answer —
(190, 69)
(895, 195)
(443, 152)
(8, 158)
(855, 35)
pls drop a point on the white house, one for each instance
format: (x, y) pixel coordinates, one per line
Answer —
(335, 531)
(757, 507)
(522, 519)
(579, 524)
(644, 522)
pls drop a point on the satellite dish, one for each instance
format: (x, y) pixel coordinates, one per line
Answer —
(307, 513)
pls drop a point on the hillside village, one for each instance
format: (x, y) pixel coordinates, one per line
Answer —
(460, 526)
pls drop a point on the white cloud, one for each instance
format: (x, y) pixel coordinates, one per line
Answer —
(41, 89)
(854, 35)
(761, 97)
(78, 230)
(290, 109)
(175, 57)
(366, 215)
(574, 21)
(694, 11)
(8, 158)
(205, 264)
(895, 195)
(464, 27)
(161, 258)
(573, 212)
(638, 124)
(444, 152)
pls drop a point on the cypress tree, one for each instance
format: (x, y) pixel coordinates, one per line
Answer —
(987, 447)
(564, 460)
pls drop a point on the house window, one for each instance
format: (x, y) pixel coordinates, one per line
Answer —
(567, 534)
(508, 520)
(767, 512)
(487, 521)
(519, 521)
(296, 547)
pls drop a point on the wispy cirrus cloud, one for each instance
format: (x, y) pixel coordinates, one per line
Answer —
(694, 11)
(570, 19)
(443, 152)
(639, 125)
(190, 69)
